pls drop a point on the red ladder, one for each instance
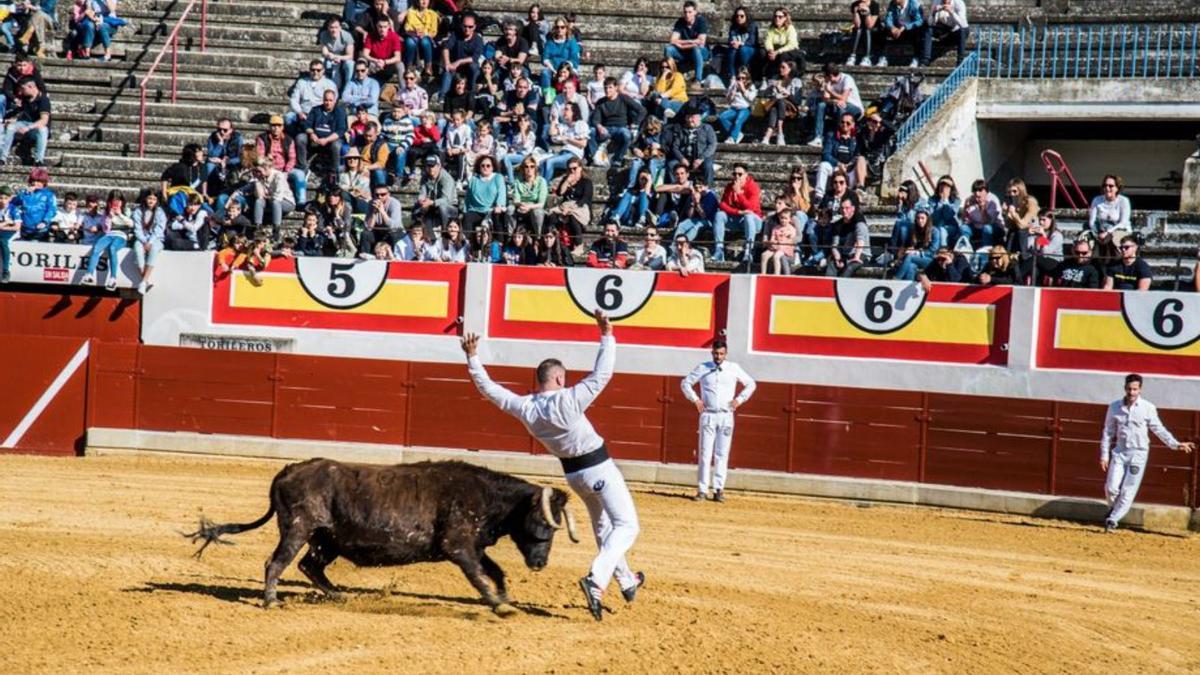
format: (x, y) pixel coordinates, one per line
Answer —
(1057, 167)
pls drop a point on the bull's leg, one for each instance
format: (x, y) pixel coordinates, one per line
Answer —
(290, 543)
(472, 568)
(495, 574)
(321, 552)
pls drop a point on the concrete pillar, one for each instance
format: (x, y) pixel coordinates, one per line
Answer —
(1189, 193)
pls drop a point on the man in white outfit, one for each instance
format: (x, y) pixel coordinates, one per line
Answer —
(716, 403)
(1127, 422)
(554, 415)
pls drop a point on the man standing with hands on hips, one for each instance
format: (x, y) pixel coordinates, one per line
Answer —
(1127, 422)
(716, 403)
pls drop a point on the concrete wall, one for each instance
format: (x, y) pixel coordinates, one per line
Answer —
(1092, 99)
(948, 144)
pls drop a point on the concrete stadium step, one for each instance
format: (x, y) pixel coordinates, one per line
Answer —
(211, 85)
(160, 112)
(249, 33)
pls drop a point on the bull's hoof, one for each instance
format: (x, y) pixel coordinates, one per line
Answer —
(505, 609)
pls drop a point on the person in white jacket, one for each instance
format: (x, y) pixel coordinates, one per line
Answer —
(555, 416)
(1126, 425)
(947, 25)
(716, 403)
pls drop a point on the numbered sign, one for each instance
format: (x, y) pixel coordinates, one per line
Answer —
(1162, 320)
(879, 308)
(340, 283)
(619, 294)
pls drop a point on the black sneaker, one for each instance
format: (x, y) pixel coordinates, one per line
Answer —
(719, 496)
(630, 594)
(1110, 526)
(591, 594)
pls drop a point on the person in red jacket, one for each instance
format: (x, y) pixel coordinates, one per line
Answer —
(609, 250)
(740, 208)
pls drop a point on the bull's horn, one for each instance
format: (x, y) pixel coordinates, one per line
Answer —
(547, 512)
(570, 525)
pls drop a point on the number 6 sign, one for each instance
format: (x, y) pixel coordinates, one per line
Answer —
(1162, 320)
(617, 293)
(880, 308)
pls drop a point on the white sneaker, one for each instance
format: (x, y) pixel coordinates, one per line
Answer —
(736, 139)
(766, 140)
(914, 64)
(88, 280)
(111, 283)
(882, 62)
(866, 62)
(780, 140)
(816, 142)
(850, 61)
(142, 288)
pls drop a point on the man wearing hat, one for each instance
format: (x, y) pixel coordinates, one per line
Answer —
(437, 196)
(355, 183)
(277, 146)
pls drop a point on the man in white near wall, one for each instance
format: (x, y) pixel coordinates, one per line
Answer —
(1127, 423)
(716, 403)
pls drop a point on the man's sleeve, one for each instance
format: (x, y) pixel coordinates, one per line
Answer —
(503, 398)
(688, 385)
(590, 387)
(748, 386)
(1110, 430)
(1155, 424)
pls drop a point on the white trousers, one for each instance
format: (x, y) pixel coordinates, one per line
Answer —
(1125, 471)
(614, 520)
(716, 434)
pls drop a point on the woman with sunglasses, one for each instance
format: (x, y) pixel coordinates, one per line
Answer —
(486, 199)
(1000, 270)
(944, 205)
(560, 48)
(573, 212)
(740, 97)
(741, 44)
(670, 91)
(781, 44)
(529, 194)
(1020, 214)
(1109, 213)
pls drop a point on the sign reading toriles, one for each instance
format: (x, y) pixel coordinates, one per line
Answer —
(649, 308)
(345, 294)
(1131, 331)
(898, 320)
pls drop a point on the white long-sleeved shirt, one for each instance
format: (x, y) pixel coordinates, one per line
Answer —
(555, 418)
(718, 385)
(1128, 426)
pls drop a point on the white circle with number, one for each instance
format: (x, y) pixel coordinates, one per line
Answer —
(879, 306)
(1162, 320)
(341, 283)
(617, 293)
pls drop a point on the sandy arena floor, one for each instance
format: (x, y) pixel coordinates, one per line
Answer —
(94, 577)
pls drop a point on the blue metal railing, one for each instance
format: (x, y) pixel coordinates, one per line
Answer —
(930, 106)
(1089, 51)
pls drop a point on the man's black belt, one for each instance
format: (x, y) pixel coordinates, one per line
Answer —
(573, 464)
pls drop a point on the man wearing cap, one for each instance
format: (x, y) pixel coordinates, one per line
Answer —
(437, 196)
(32, 118)
(324, 131)
(716, 403)
(277, 146)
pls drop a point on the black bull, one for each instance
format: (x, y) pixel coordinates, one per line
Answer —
(396, 515)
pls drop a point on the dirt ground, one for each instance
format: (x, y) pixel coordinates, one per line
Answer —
(94, 575)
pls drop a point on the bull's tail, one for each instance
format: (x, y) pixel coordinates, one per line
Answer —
(210, 532)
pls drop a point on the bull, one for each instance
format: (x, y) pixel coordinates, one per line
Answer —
(397, 515)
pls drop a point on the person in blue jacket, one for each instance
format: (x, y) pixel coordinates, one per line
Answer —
(38, 206)
(904, 22)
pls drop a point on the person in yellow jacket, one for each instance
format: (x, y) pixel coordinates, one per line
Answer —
(781, 43)
(670, 91)
(420, 30)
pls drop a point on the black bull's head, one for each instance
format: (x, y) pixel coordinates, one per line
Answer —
(545, 513)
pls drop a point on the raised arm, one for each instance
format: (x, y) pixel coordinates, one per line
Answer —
(503, 398)
(590, 387)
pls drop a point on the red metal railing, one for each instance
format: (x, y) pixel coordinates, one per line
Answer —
(1060, 179)
(173, 43)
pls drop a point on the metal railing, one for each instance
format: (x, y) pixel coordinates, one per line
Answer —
(930, 106)
(1089, 51)
(172, 43)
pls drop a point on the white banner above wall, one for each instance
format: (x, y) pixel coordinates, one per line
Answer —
(66, 264)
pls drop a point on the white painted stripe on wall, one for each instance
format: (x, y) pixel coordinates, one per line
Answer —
(47, 396)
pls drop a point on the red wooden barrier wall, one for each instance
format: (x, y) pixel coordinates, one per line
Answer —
(53, 417)
(70, 315)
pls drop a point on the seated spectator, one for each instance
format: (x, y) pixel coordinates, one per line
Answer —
(904, 22)
(907, 198)
(780, 250)
(486, 198)
(22, 67)
(483, 247)
(307, 93)
(693, 145)
(609, 250)
(412, 94)
(437, 195)
(529, 194)
(460, 56)
(613, 122)
(231, 258)
(28, 26)
(224, 157)
(520, 249)
(637, 82)
(521, 145)
(839, 95)
(652, 255)
(10, 225)
(384, 222)
(278, 147)
(426, 140)
(535, 28)
(149, 231)
(96, 227)
(635, 202)
(1131, 272)
(355, 182)
(740, 97)
(420, 32)
(785, 95)
(64, 229)
(840, 151)
(36, 206)
(551, 252)
(522, 101)
(980, 216)
(947, 26)
(595, 87)
(694, 207)
(1109, 215)
(781, 44)
(31, 120)
(337, 51)
(183, 178)
(647, 151)
(398, 128)
(1020, 213)
(383, 251)
(376, 156)
(235, 221)
(1078, 271)
(1046, 248)
(923, 241)
(488, 90)
(819, 233)
(864, 15)
(414, 246)
(376, 10)
(946, 267)
(573, 203)
(382, 52)
(944, 206)
(568, 141)
(337, 222)
(740, 208)
(456, 143)
(797, 194)
(851, 246)
(685, 259)
(452, 246)
(188, 231)
(741, 44)
(565, 75)
(1000, 269)
(874, 146)
(257, 258)
(510, 48)
(555, 112)
(287, 248)
(689, 40)
(361, 90)
(670, 91)
(271, 194)
(561, 47)
(324, 129)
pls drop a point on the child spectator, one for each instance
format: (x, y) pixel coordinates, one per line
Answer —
(398, 129)
(519, 250)
(65, 227)
(149, 229)
(10, 225)
(188, 231)
(287, 248)
(230, 258)
(781, 245)
(310, 241)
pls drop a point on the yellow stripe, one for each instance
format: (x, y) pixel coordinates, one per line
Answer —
(550, 304)
(1106, 332)
(949, 324)
(396, 298)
